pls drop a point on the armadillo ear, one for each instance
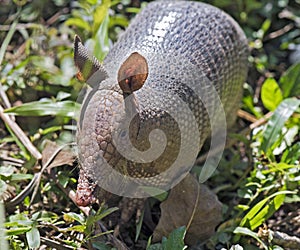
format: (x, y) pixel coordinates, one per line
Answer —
(133, 73)
(87, 65)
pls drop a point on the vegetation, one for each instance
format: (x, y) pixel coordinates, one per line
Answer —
(258, 177)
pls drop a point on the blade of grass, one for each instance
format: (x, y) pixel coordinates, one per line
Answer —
(248, 232)
(46, 107)
(7, 39)
(2, 53)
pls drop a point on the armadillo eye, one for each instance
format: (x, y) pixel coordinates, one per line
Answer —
(123, 134)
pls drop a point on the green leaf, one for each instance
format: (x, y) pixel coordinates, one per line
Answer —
(246, 231)
(46, 107)
(277, 167)
(78, 22)
(21, 177)
(6, 171)
(134, 10)
(224, 238)
(175, 240)
(45, 216)
(100, 13)
(289, 136)
(77, 228)
(92, 219)
(138, 227)
(264, 210)
(101, 40)
(70, 217)
(3, 187)
(101, 246)
(290, 81)
(271, 95)
(283, 112)
(20, 219)
(63, 179)
(33, 238)
(18, 230)
(267, 211)
(248, 104)
(291, 154)
(62, 95)
(92, 2)
(26, 201)
(266, 25)
(118, 20)
(156, 246)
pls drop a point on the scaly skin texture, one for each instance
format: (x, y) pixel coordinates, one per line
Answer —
(182, 42)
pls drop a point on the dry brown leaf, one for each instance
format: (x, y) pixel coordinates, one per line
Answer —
(192, 205)
(64, 157)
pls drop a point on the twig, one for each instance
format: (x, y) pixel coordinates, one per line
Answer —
(57, 15)
(261, 121)
(20, 134)
(18, 53)
(246, 116)
(11, 161)
(56, 245)
(255, 122)
(5, 100)
(284, 240)
(279, 32)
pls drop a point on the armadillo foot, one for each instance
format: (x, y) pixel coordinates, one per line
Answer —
(129, 206)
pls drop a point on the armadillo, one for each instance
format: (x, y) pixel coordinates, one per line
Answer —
(158, 77)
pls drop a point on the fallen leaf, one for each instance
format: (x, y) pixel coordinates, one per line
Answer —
(192, 205)
(64, 157)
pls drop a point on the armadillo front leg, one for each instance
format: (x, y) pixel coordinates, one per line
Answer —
(128, 207)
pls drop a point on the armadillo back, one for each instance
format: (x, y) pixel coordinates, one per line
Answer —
(181, 34)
